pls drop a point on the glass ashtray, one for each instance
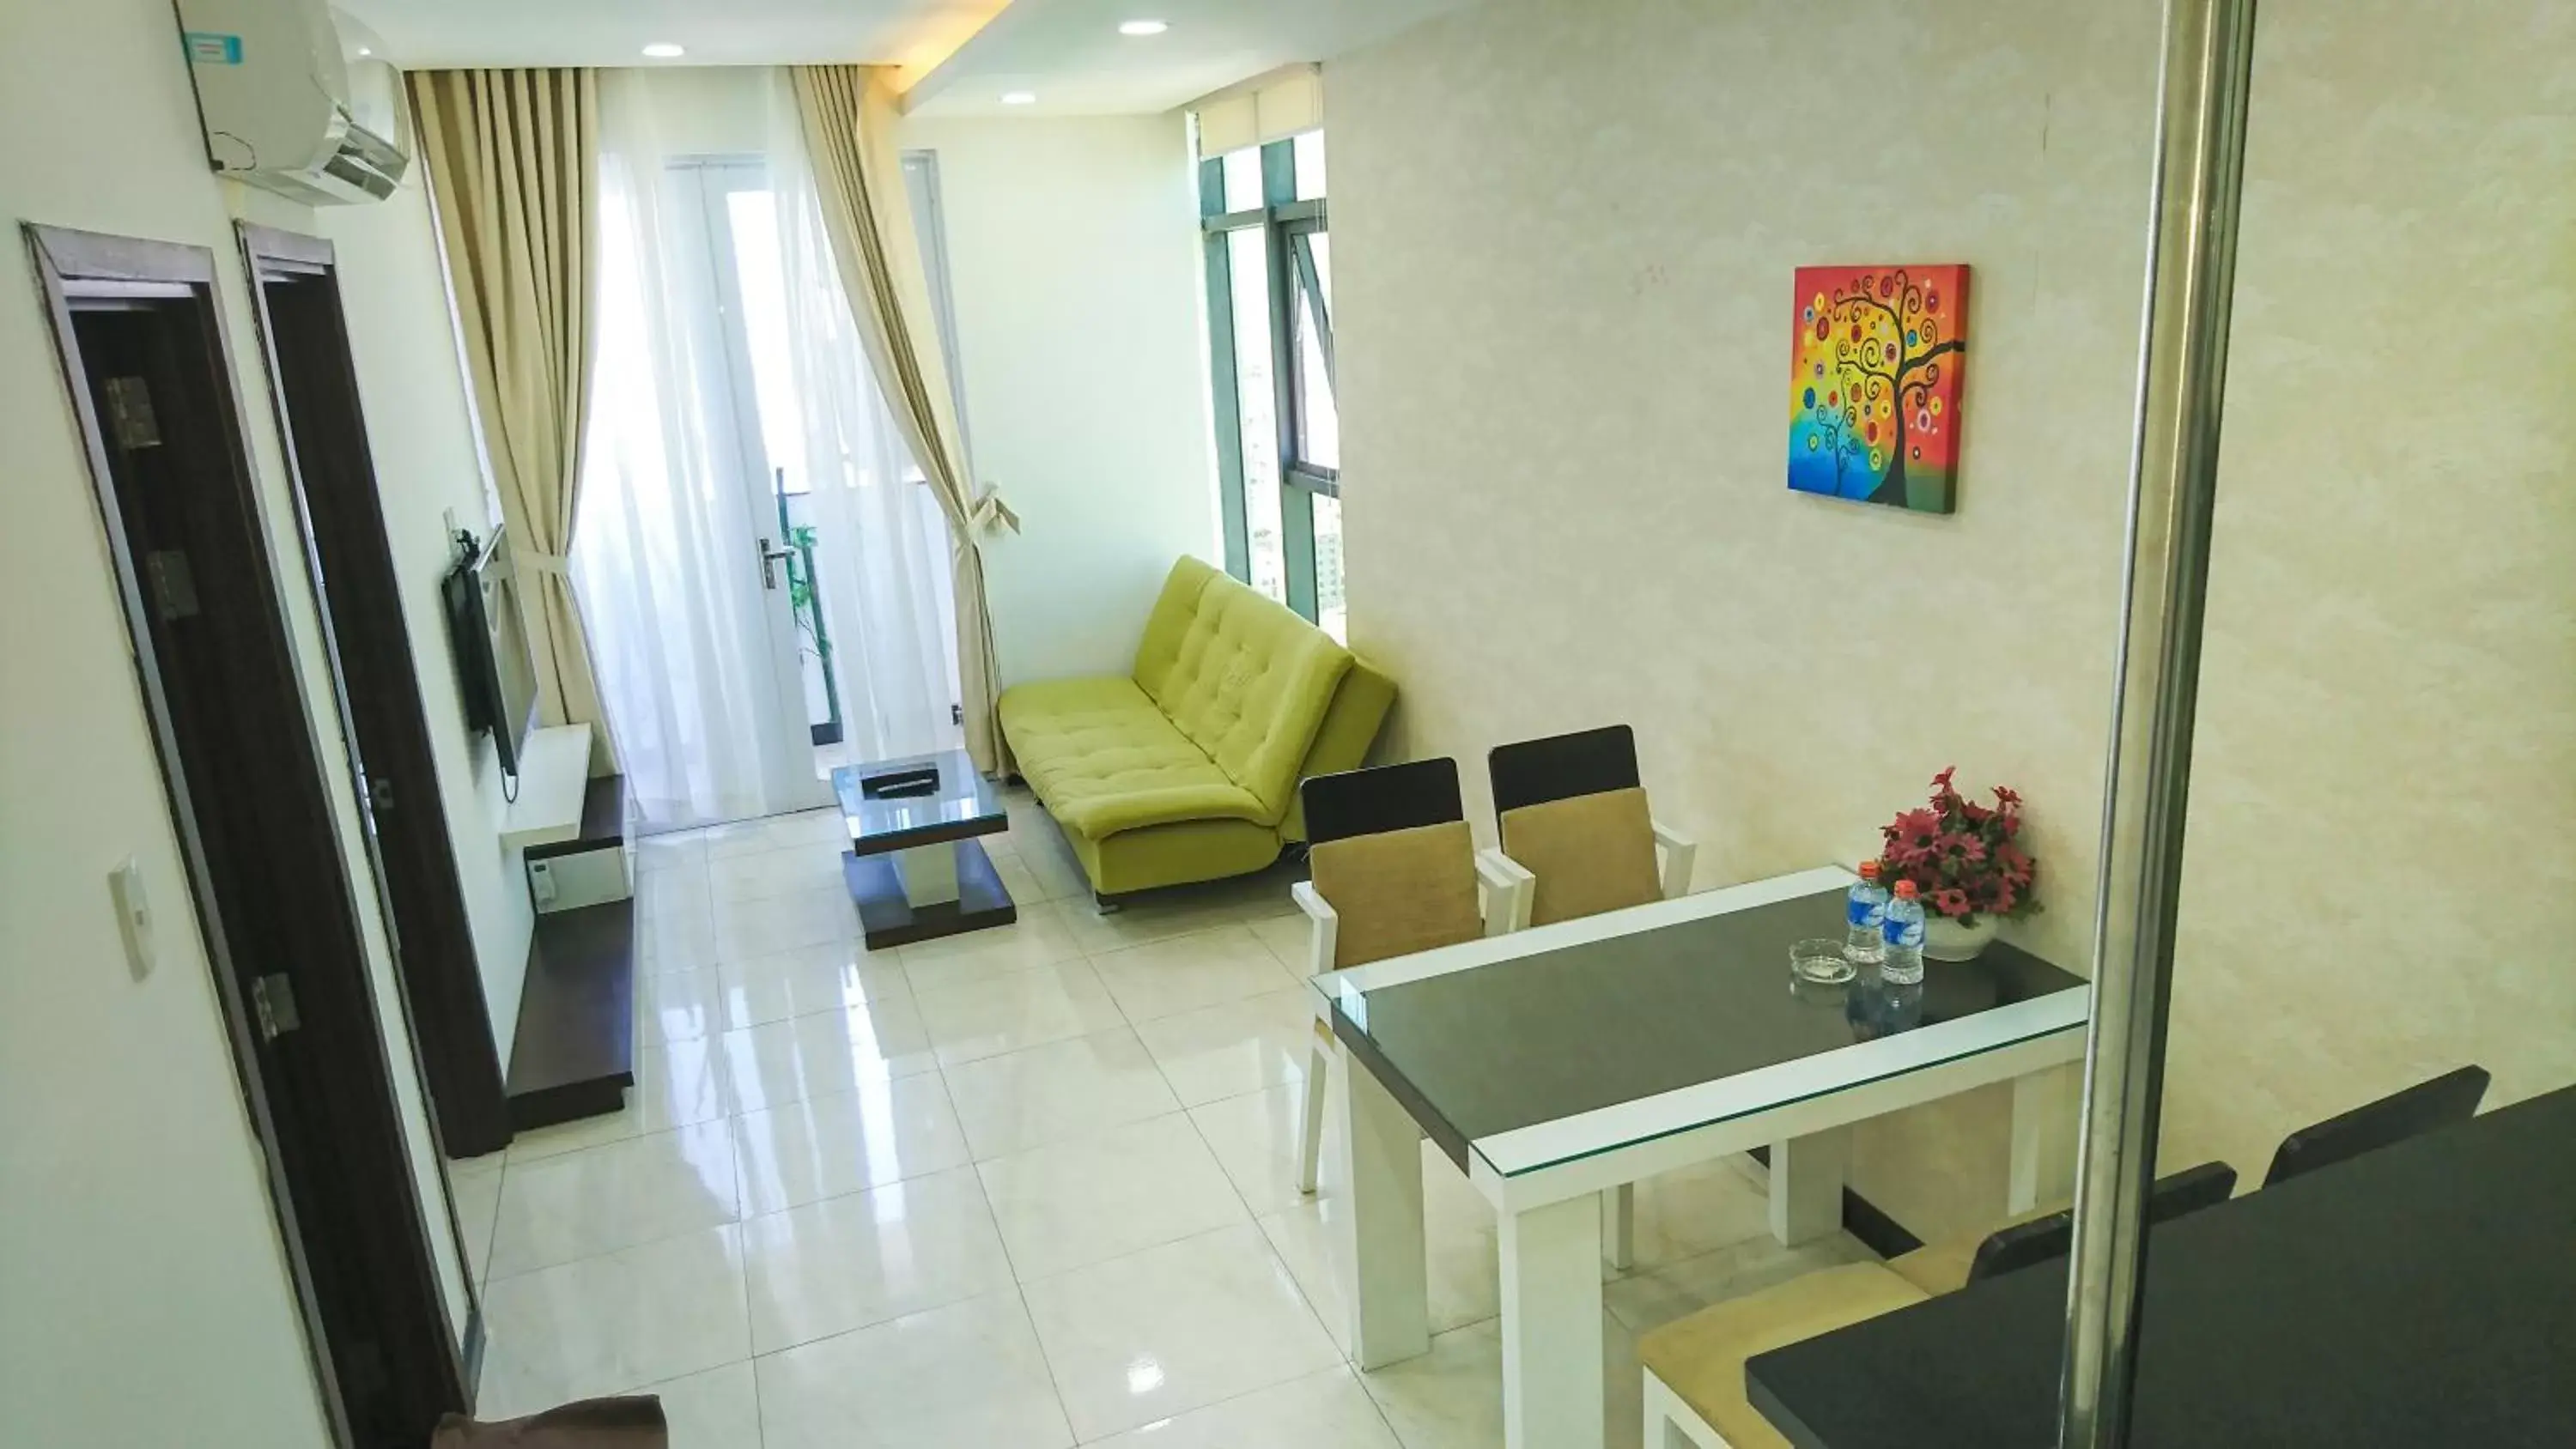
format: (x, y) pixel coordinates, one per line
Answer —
(1819, 963)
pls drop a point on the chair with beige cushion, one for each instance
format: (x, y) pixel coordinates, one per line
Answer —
(1573, 814)
(1694, 1367)
(1393, 870)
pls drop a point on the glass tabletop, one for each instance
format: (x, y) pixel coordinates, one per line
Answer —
(962, 803)
(1568, 1029)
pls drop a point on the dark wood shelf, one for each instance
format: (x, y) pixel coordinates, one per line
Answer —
(574, 1055)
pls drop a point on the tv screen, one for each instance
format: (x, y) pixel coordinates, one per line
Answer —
(489, 633)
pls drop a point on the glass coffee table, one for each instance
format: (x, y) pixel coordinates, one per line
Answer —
(914, 866)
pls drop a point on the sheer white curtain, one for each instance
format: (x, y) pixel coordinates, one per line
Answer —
(882, 549)
(665, 562)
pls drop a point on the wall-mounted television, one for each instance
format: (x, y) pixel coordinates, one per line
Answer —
(486, 629)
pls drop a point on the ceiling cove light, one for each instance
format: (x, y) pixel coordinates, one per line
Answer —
(664, 50)
(1142, 27)
(1019, 98)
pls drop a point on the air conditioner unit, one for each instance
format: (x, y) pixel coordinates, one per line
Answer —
(285, 109)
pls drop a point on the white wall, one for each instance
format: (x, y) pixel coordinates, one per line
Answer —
(140, 1246)
(1565, 237)
(1074, 249)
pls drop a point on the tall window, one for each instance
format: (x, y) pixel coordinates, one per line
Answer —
(1270, 324)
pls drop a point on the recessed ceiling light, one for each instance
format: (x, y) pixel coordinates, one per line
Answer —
(1142, 27)
(364, 51)
(1019, 98)
(664, 50)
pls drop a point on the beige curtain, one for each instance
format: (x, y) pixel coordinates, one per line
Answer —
(514, 169)
(848, 113)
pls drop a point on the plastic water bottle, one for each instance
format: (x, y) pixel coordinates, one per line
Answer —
(1902, 963)
(1865, 915)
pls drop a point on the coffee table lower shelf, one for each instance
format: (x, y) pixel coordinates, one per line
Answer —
(889, 917)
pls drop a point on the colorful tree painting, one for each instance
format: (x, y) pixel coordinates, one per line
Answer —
(1874, 384)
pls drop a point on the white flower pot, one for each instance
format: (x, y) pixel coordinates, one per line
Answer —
(1946, 940)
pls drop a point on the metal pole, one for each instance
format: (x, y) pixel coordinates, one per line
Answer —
(2173, 484)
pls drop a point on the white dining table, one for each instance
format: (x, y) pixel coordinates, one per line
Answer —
(1559, 1066)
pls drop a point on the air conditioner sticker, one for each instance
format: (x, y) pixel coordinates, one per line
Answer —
(206, 47)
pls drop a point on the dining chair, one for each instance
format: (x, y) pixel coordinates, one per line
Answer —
(2046, 1233)
(2448, 1099)
(1392, 869)
(1694, 1367)
(1572, 812)
(1572, 815)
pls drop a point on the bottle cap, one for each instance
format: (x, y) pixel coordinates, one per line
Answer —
(1905, 890)
(1869, 870)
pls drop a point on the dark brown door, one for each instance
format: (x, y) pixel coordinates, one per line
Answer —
(143, 350)
(315, 389)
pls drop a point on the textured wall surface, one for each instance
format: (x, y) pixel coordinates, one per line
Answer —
(1566, 236)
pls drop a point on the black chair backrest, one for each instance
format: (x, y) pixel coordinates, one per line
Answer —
(1561, 767)
(2042, 1240)
(1390, 797)
(2447, 1099)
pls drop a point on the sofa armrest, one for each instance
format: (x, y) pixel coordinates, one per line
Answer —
(1325, 926)
(1680, 853)
(1508, 888)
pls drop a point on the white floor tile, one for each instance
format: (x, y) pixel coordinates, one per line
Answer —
(744, 929)
(1291, 938)
(1234, 1047)
(1026, 887)
(802, 867)
(657, 854)
(1037, 938)
(611, 1323)
(821, 1147)
(1329, 1410)
(1187, 972)
(1172, 1329)
(1656, 1296)
(1459, 1241)
(1254, 1137)
(1449, 1398)
(977, 1019)
(1698, 1210)
(679, 1084)
(832, 976)
(1099, 1197)
(1143, 920)
(967, 1376)
(685, 944)
(563, 1137)
(823, 1055)
(476, 1185)
(716, 1409)
(601, 1199)
(846, 1262)
(678, 1006)
(1062, 1090)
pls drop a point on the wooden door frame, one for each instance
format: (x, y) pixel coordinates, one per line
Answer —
(413, 857)
(389, 1276)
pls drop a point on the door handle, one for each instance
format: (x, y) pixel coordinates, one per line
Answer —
(769, 558)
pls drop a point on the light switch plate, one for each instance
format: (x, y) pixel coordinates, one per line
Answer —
(133, 916)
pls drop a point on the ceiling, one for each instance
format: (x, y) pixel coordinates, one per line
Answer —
(424, 33)
(1070, 54)
(960, 56)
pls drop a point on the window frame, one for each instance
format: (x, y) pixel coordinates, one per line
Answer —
(1284, 222)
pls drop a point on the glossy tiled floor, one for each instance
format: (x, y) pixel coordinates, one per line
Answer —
(1016, 1190)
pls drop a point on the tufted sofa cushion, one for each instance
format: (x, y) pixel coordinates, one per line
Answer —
(1242, 678)
(1104, 758)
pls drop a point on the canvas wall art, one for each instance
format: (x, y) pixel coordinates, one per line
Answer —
(1874, 385)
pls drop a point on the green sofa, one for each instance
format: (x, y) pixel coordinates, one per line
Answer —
(1188, 769)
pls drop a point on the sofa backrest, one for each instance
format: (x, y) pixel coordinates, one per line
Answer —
(1244, 678)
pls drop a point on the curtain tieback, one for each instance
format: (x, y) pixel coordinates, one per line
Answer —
(539, 561)
(991, 515)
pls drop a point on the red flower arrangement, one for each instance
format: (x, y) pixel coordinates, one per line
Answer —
(1964, 858)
